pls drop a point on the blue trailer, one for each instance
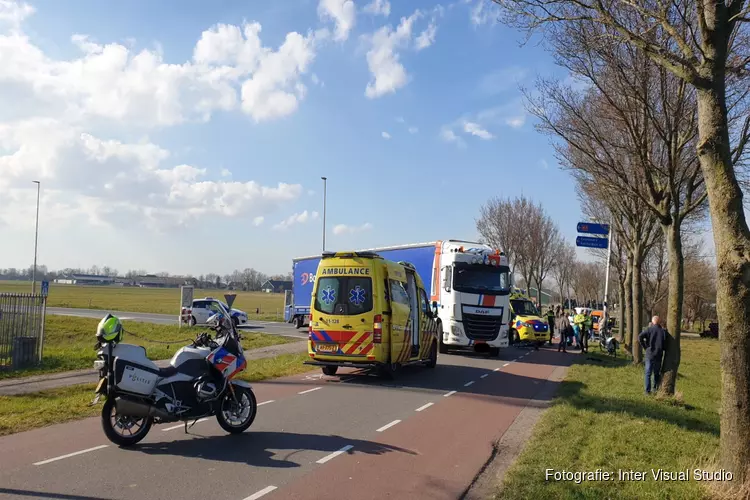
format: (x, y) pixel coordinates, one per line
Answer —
(297, 303)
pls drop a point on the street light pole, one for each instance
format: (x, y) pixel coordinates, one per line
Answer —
(324, 212)
(36, 238)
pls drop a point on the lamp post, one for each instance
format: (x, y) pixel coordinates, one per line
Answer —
(324, 212)
(36, 238)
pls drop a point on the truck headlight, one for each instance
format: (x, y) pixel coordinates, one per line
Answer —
(456, 330)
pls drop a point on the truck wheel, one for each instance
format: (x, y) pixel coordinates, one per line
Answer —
(330, 370)
(514, 335)
(442, 347)
(432, 361)
(296, 322)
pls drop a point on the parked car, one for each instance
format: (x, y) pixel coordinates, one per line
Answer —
(205, 307)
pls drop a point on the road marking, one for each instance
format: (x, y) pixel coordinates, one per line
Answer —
(310, 390)
(388, 426)
(506, 364)
(424, 407)
(263, 492)
(71, 454)
(182, 424)
(266, 402)
(449, 394)
(485, 375)
(467, 384)
(519, 357)
(334, 454)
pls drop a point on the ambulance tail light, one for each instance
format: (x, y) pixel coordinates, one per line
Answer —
(377, 329)
(309, 327)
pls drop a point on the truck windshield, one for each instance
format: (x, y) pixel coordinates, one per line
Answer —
(480, 278)
(524, 308)
(343, 295)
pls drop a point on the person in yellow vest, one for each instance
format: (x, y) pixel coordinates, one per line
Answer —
(579, 323)
(589, 326)
(551, 323)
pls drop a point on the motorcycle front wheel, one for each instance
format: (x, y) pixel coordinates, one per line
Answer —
(236, 416)
(123, 430)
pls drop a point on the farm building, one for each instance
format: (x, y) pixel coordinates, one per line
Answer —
(85, 279)
(276, 286)
(153, 281)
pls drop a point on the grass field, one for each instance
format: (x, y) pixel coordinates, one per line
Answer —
(148, 300)
(69, 342)
(602, 419)
(29, 411)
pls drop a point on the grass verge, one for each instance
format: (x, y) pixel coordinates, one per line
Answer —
(39, 409)
(270, 306)
(601, 419)
(69, 343)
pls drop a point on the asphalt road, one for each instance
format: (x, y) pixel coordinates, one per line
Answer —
(169, 319)
(425, 435)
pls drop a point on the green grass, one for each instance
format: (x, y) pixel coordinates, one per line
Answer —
(601, 419)
(69, 342)
(29, 411)
(148, 300)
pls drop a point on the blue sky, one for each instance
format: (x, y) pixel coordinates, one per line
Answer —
(413, 161)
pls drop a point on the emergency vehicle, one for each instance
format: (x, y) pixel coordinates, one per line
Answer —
(368, 312)
(526, 324)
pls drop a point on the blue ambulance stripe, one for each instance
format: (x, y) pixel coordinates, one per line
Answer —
(326, 338)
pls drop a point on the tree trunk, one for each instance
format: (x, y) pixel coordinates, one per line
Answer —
(621, 309)
(732, 243)
(539, 293)
(637, 323)
(671, 362)
(628, 325)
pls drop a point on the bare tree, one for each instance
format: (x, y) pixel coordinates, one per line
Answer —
(656, 277)
(704, 43)
(563, 269)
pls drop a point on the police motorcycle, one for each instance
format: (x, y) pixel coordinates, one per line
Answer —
(198, 383)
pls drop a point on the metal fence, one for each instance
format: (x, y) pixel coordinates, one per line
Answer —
(21, 330)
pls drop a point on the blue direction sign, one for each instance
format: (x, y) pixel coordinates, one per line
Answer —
(591, 242)
(593, 228)
(45, 288)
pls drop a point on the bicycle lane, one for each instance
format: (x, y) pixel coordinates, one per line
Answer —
(446, 443)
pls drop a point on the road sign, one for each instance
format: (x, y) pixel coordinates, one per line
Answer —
(591, 242)
(593, 228)
(229, 297)
(45, 288)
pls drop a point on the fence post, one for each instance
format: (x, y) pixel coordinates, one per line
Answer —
(41, 330)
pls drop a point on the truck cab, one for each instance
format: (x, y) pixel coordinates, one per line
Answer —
(368, 312)
(471, 285)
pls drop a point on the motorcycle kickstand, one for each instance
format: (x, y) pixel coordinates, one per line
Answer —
(191, 425)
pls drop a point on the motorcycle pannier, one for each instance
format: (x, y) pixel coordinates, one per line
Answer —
(134, 379)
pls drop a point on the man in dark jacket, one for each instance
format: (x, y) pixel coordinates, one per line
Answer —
(653, 340)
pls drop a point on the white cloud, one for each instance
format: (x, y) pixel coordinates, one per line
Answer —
(257, 221)
(225, 173)
(342, 12)
(501, 80)
(340, 229)
(413, 130)
(378, 7)
(477, 130)
(115, 183)
(448, 135)
(388, 74)
(483, 12)
(385, 135)
(543, 163)
(293, 219)
(400, 119)
(14, 12)
(516, 121)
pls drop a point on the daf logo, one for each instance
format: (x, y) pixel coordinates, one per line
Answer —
(482, 311)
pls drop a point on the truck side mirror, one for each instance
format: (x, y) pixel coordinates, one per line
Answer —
(447, 278)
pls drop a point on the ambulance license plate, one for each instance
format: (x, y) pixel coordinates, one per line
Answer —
(327, 348)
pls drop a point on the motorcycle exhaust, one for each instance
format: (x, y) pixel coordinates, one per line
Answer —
(135, 409)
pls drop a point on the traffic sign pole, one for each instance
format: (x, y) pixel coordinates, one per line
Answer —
(606, 285)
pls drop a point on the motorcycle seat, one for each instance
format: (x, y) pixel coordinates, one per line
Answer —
(168, 371)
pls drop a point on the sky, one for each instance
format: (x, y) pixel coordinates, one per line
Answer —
(191, 137)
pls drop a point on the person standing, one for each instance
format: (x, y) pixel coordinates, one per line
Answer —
(589, 327)
(653, 340)
(564, 328)
(551, 323)
(579, 323)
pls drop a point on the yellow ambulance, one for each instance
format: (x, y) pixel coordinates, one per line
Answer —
(368, 312)
(526, 325)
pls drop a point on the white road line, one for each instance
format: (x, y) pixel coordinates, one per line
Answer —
(71, 454)
(506, 364)
(182, 425)
(485, 375)
(449, 394)
(266, 402)
(334, 454)
(424, 407)
(263, 492)
(388, 426)
(310, 390)
(467, 384)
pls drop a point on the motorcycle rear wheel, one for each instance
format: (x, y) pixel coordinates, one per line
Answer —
(115, 426)
(229, 408)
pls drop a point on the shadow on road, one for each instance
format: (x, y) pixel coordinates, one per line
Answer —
(254, 448)
(44, 494)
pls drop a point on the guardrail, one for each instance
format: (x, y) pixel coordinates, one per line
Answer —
(21, 330)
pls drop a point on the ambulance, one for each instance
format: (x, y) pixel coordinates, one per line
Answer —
(526, 324)
(368, 312)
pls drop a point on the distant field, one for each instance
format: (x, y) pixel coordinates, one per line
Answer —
(147, 300)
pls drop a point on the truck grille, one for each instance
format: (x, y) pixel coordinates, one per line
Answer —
(482, 327)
